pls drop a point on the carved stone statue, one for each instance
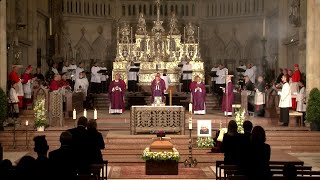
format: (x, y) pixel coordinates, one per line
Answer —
(190, 33)
(142, 26)
(173, 25)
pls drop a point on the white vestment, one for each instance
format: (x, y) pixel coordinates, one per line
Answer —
(78, 70)
(81, 85)
(221, 73)
(251, 74)
(95, 76)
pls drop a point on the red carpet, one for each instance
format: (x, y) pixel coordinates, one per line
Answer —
(138, 172)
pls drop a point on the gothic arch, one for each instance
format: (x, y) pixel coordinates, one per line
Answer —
(83, 48)
(217, 51)
(233, 49)
(253, 50)
(99, 47)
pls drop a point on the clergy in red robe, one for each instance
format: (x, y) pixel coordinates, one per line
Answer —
(15, 80)
(64, 82)
(27, 79)
(158, 87)
(227, 97)
(198, 91)
(55, 84)
(294, 85)
(117, 89)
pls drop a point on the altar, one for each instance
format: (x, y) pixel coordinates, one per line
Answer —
(149, 119)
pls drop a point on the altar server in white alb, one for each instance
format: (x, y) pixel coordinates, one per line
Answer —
(285, 101)
(221, 81)
(251, 73)
(166, 80)
(132, 77)
(95, 79)
(301, 99)
(186, 75)
(82, 84)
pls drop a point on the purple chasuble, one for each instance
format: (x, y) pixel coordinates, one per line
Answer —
(116, 93)
(198, 97)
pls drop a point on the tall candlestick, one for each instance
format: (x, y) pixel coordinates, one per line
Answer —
(74, 115)
(85, 113)
(264, 28)
(190, 122)
(170, 98)
(50, 26)
(190, 108)
(95, 114)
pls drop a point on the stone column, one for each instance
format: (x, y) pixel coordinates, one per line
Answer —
(3, 45)
(283, 33)
(313, 44)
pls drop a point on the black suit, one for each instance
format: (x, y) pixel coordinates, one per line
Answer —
(230, 148)
(80, 147)
(96, 143)
(258, 161)
(63, 163)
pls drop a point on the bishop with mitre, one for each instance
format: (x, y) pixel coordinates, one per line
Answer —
(117, 89)
(198, 91)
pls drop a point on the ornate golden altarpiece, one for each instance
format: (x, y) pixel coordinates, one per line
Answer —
(157, 50)
(153, 118)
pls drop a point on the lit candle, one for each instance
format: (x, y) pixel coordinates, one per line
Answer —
(190, 108)
(27, 123)
(190, 123)
(95, 114)
(85, 113)
(264, 28)
(50, 26)
(74, 115)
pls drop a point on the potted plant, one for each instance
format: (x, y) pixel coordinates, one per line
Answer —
(40, 114)
(313, 109)
(3, 107)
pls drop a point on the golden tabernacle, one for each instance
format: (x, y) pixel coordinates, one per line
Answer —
(161, 146)
(158, 49)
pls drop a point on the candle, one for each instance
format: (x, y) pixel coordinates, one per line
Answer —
(190, 108)
(190, 123)
(27, 123)
(85, 113)
(74, 115)
(95, 114)
(264, 28)
(50, 26)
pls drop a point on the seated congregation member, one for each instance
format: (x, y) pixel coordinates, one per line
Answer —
(63, 160)
(227, 99)
(166, 80)
(26, 168)
(258, 156)
(80, 144)
(245, 142)
(55, 83)
(6, 169)
(96, 143)
(230, 144)
(42, 162)
(198, 91)
(158, 87)
(259, 98)
(116, 91)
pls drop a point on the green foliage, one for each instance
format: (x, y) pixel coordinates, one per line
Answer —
(3, 106)
(240, 117)
(205, 142)
(40, 113)
(313, 107)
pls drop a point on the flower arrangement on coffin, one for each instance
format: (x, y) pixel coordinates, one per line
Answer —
(161, 133)
(160, 156)
(240, 117)
(205, 142)
(40, 114)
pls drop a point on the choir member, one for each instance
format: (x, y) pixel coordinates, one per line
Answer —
(186, 75)
(64, 83)
(54, 68)
(132, 77)
(227, 97)
(294, 85)
(38, 74)
(72, 68)
(104, 78)
(82, 84)
(117, 89)
(27, 80)
(198, 91)
(79, 69)
(259, 98)
(158, 87)
(17, 82)
(166, 80)
(251, 72)
(221, 81)
(66, 71)
(285, 101)
(95, 79)
(55, 83)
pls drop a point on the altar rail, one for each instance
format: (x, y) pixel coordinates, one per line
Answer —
(154, 118)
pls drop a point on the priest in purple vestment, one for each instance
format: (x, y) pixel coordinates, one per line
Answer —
(116, 92)
(198, 92)
(158, 87)
(227, 97)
